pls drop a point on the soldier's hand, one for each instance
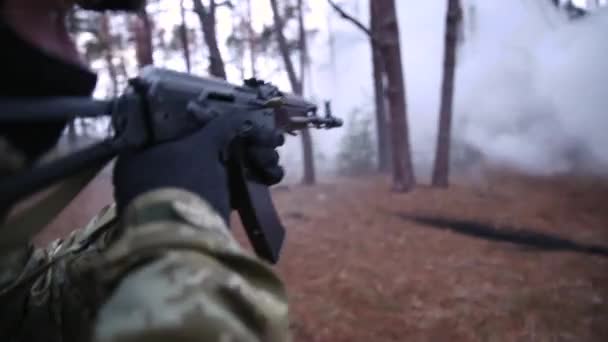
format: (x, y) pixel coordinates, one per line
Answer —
(198, 163)
(262, 156)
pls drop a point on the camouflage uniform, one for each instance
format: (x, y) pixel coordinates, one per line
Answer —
(168, 271)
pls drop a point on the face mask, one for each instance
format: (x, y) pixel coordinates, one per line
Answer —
(28, 71)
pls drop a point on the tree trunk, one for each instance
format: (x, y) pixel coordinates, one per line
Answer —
(382, 135)
(207, 19)
(388, 33)
(122, 67)
(302, 45)
(296, 85)
(142, 27)
(441, 169)
(183, 35)
(251, 40)
(106, 40)
(284, 49)
(307, 149)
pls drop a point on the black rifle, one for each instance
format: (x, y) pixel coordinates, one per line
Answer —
(162, 105)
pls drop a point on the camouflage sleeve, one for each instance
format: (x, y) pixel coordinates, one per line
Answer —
(177, 274)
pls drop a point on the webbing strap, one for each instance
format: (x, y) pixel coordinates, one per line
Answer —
(18, 229)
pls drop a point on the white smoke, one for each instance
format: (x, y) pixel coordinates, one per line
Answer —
(528, 87)
(531, 91)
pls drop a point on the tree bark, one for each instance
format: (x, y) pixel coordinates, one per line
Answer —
(382, 132)
(388, 33)
(208, 25)
(296, 84)
(441, 168)
(183, 35)
(142, 27)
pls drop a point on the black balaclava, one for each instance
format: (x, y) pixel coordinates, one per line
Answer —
(28, 71)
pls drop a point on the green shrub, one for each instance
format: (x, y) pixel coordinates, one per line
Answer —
(357, 153)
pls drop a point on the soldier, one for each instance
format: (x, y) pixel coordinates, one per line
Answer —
(161, 264)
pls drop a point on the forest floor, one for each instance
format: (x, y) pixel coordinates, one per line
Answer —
(361, 264)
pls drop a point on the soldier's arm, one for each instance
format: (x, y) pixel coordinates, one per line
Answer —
(177, 274)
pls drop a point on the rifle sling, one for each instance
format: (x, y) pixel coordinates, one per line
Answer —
(18, 229)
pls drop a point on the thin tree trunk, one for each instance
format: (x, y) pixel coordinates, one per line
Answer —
(388, 33)
(382, 133)
(251, 40)
(106, 40)
(296, 85)
(122, 67)
(441, 169)
(142, 27)
(331, 41)
(302, 45)
(240, 60)
(307, 149)
(284, 48)
(183, 33)
(208, 25)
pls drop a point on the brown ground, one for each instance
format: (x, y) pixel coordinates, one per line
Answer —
(357, 272)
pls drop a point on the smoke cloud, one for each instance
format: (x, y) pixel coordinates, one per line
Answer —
(531, 95)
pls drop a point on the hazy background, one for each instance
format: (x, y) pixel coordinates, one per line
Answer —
(530, 85)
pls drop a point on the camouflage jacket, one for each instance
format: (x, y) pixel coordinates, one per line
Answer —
(169, 270)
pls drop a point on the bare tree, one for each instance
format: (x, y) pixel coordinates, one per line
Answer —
(296, 84)
(183, 35)
(142, 29)
(284, 48)
(251, 40)
(441, 170)
(105, 38)
(207, 18)
(307, 149)
(388, 41)
(382, 134)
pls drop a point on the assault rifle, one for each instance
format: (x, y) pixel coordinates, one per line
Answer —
(162, 105)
